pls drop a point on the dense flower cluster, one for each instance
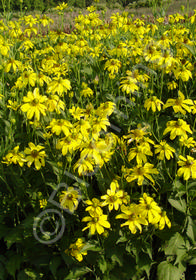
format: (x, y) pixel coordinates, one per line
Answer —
(114, 100)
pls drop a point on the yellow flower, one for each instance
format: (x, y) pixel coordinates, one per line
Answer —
(149, 208)
(164, 221)
(193, 108)
(112, 66)
(153, 103)
(172, 85)
(179, 104)
(177, 128)
(28, 77)
(134, 217)
(84, 165)
(69, 199)
(113, 198)
(164, 150)
(139, 173)
(96, 223)
(75, 250)
(140, 152)
(187, 142)
(34, 104)
(43, 203)
(60, 125)
(86, 91)
(94, 206)
(59, 85)
(188, 167)
(35, 154)
(15, 157)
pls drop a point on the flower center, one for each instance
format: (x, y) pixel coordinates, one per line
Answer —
(35, 101)
(34, 153)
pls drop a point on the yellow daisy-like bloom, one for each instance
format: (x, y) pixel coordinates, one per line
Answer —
(60, 125)
(96, 223)
(149, 208)
(75, 250)
(135, 135)
(69, 199)
(113, 198)
(34, 104)
(139, 173)
(187, 142)
(94, 206)
(36, 155)
(164, 150)
(15, 157)
(177, 128)
(164, 221)
(113, 66)
(188, 167)
(134, 217)
(140, 153)
(153, 103)
(179, 104)
(59, 85)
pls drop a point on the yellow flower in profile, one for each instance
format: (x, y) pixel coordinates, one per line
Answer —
(75, 250)
(84, 165)
(164, 150)
(153, 103)
(113, 198)
(177, 128)
(36, 155)
(188, 167)
(149, 208)
(179, 104)
(164, 221)
(140, 172)
(69, 199)
(96, 222)
(15, 157)
(34, 104)
(134, 217)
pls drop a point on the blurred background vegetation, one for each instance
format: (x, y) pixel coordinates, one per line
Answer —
(42, 5)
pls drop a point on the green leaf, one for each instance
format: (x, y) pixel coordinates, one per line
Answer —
(13, 264)
(91, 247)
(32, 274)
(117, 258)
(167, 271)
(180, 205)
(2, 272)
(77, 272)
(102, 264)
(54, 264)
(121, 239)
(13, 236)
(175, 244)
(144, 263)
(191, 230)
